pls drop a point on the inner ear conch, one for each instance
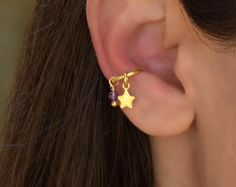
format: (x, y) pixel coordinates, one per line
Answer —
(147, 50)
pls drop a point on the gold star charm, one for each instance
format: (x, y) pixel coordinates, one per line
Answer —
(126, 100)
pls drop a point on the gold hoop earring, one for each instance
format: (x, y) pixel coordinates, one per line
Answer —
(125, 100)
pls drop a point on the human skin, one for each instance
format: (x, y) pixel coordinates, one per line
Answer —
(185, 98)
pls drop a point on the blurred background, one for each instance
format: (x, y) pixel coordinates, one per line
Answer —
(14, 18)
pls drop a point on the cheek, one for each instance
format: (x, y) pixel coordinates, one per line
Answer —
(209, 78)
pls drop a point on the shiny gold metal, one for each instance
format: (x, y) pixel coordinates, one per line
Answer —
(121, 77)
(114, 104)
(126, 100)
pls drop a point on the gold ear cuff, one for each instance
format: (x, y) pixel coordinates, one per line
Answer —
(125, 100)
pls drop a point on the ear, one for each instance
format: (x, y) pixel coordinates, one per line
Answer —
(128, 35)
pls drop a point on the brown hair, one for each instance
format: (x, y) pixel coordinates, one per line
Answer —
(216, 18)
(61, 129)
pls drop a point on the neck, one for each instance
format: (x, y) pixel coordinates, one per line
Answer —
(202, 156)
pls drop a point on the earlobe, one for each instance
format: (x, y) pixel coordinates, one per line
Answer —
(125, 40)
